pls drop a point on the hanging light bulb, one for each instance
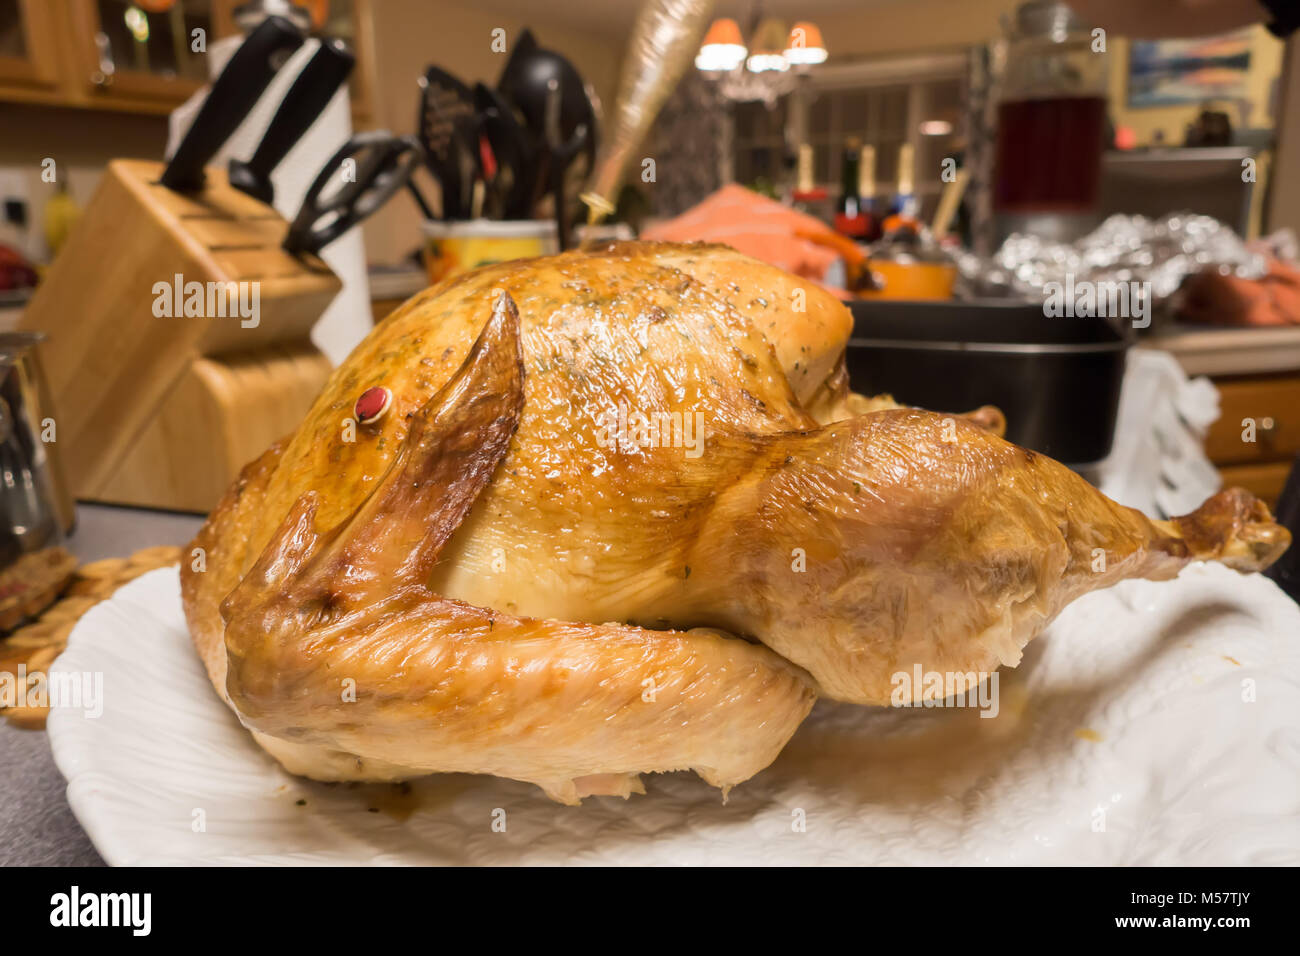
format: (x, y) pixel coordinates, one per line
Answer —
(723, 48)
(137, 23)
(805, 45)
(769, 47)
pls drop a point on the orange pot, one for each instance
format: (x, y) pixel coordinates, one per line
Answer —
(912, 280)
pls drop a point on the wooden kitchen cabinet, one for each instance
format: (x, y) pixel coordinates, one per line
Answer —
(29, 53)
(127, 57)
(102, 54)
(137, 55)
(1272, 402)
(1265, 482)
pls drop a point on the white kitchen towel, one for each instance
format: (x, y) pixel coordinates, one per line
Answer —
(1157, 463)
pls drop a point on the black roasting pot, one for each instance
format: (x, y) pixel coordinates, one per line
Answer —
(1056, 379)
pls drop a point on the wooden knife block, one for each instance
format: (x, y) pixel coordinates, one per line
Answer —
(164, 411)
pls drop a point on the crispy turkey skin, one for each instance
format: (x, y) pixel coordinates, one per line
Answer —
(502, 575)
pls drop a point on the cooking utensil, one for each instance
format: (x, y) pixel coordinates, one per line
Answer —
(447, 127)
(559, 154)
(1057, 380)
(526, 82)
(239, 86)
(949, 200)
(510, 187)
(35, 506)
(908, 264)
(371, 167)
(307, 98)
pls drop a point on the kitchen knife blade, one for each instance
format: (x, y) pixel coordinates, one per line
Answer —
(307, 98)
(243, 80)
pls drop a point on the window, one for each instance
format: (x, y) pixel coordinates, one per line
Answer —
(759, 142)
(877, 116)
(881, 102)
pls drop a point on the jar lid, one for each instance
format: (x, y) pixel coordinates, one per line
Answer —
(1047, 19)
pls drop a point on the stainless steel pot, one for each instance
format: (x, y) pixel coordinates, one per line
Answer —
(35, 511)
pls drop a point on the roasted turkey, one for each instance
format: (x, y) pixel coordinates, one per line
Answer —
(621, 513)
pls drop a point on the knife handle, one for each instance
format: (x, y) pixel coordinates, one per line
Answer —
(243, 80)
(307, 98)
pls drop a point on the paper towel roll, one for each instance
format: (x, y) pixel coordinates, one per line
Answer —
(348, 318)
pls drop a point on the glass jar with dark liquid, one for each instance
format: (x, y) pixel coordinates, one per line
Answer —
(1051, 124)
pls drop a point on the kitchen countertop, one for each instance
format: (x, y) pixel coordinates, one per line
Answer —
(1212, 350)
(37, 827)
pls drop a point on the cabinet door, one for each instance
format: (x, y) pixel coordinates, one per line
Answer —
(28, 49)
(143, 54)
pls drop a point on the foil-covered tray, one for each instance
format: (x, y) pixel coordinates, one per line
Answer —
(1162, 252)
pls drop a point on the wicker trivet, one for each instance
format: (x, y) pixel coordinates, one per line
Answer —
(38, 643)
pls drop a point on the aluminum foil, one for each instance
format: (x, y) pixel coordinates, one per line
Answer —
(664, 40)
(1122, 249)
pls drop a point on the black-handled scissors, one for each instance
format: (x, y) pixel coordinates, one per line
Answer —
(369, 168)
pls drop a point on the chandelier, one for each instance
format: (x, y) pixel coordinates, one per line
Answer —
(768, 67)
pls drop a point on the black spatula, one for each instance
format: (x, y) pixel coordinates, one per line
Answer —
(447, 128)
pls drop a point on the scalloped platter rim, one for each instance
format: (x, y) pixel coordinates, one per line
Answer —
(1151, 724)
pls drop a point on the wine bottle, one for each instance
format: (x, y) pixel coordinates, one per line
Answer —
(849, 219)
(867, 190)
